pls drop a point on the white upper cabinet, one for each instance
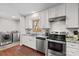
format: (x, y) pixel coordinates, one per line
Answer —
(51, 12)
(44, 19)
(60, 10)
(29, 22)
(22, 25)
(72, 15)
(57, 11)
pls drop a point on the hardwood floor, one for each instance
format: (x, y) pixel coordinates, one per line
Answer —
(20, 51)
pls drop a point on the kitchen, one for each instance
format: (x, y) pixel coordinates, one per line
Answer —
(52, 31)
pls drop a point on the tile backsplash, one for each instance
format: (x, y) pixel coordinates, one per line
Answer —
(70, 31)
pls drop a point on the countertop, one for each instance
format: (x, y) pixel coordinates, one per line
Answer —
(71, 41)
(28, 35)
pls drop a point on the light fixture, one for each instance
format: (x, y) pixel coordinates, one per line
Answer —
(13, 16)
(35, 16)
(33, 11)
(16, 18)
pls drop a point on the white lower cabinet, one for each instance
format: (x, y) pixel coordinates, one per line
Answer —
(32, 41)
(72, 49)
(23, 40)
(29, 41)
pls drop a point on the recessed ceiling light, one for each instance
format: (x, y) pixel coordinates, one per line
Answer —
(13, 16)
(33, 11)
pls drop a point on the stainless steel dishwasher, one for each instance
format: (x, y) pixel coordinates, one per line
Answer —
(40, 44)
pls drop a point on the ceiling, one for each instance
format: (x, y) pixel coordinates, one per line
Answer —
(14, 10)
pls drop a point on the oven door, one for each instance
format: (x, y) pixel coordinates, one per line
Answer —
(57, 48)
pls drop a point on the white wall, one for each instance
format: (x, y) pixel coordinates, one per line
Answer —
(7, 25)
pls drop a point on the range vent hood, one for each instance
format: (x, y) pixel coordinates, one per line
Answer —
(61, 18)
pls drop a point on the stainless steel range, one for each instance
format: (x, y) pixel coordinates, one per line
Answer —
(56, 45)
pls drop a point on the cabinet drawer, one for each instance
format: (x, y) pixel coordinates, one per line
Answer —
(73, 45)
(72, 54)
(72, 51)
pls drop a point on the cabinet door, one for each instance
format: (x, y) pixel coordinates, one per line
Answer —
(51, 12)
(28, 41)
(60, 10)
(28, 21)
(44, 19)
(72, 49)
(22, 25)
(72, 15)
(33, 42)
(21, 39)
(24, 40)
